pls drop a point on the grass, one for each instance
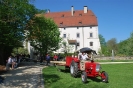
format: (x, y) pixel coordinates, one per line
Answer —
(120, 76)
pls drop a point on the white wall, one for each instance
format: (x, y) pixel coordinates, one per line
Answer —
(84, 39)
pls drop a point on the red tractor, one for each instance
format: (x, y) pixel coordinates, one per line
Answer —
(87, 68)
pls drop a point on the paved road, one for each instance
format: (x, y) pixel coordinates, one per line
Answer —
(28, 75)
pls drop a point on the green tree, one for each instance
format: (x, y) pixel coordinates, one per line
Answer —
(14, 15)
(126, 46)
(112, 45)
(130, 45)
(104, 49)
(20, 50)
(123, 48)
(67, 47)
(43, 34)
(102, 40)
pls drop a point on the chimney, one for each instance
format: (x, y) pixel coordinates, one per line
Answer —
(85, 9)
(72, 10)
(48, 11)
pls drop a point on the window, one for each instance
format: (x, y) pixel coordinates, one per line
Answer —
(78, 44)
(64, 35)
(62, 15)
(91, 43)
(61, 23)
(80, 14)
(91, 34)
(78, 35)
(77, 27)
(64, 28)
(80, 22)
(90, 27)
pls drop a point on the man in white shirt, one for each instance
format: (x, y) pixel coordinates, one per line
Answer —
(84, 56)
(9, 62)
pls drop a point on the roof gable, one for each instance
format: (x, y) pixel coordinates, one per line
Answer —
(79, 18)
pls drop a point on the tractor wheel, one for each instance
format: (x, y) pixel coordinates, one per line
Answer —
(104, 77)
(74, 69)
(84, 77)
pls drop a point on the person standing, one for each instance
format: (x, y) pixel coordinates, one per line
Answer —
(55, 57)
(47, 59)
(9, 62)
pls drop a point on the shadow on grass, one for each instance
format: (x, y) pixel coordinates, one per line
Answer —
(95, 79)
(51, 78)
(64, 70)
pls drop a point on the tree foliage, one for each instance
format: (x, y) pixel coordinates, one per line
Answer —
(126, 47)
(14, 15)
(43, 34)
(123, 48)
(102, 40)
(112, 44)
(20, 50)
(104, 49)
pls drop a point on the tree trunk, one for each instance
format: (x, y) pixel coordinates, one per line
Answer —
(2, 58)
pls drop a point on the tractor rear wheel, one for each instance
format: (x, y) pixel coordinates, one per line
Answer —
(104, 76)
(74, 69)
(84, 77)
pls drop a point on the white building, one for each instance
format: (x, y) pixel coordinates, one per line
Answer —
(77, 28)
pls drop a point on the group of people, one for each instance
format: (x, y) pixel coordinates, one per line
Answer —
(13, 61)
(56, 57)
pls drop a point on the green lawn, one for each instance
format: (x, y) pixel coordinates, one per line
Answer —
(120, 76)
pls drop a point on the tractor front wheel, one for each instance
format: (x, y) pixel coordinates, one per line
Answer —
(104, 77)
(74, 69)
(84, 77)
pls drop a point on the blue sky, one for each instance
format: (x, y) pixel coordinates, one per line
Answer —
(115, 17)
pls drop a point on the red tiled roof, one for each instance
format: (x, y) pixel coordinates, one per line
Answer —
(79, 18)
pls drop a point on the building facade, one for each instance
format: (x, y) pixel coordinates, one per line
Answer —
(78, 29)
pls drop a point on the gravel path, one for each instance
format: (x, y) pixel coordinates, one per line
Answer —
(28, 75)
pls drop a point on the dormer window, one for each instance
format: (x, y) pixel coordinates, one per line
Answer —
(80, 14)
(61, 23)
(80, 22)
(62, 15)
